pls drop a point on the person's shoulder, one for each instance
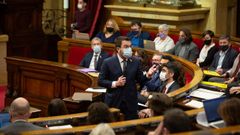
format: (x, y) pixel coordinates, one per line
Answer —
(103, 53)
(111, 59)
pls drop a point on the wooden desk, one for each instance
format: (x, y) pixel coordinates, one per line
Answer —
(121, 126)
(40, 81)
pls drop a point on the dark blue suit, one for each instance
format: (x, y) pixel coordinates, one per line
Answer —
(124, 97)
(88, 57)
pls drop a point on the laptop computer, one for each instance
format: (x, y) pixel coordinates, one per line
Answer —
(148, 44)
(211, 107)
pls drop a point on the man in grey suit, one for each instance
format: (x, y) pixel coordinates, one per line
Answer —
(185, 47)
(19, 112)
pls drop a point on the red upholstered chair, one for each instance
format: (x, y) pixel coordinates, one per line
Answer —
(188, 78)
(198, 42)
(76, 54)
(174, 37)
(3, 89)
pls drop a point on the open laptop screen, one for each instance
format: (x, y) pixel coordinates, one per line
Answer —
(211, 107)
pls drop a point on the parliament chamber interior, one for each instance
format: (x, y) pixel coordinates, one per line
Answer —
(124, 67)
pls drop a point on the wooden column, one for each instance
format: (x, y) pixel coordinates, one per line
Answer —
(3, 54)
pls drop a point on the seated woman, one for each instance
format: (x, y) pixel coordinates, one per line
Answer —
(141, 54)
(163, 42)
(57, 107)
(208, 51)
(110, 32)
(229, 111)
(185, 47)
(158, 103)
(98, 112)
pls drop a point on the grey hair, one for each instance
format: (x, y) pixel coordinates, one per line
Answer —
(102, 129)
(96, 38)
(165, 27)
(19, 107)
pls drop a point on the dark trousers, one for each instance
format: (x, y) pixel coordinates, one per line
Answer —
(129, 114)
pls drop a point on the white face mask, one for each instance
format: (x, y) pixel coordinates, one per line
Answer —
(162, 76)
(97, 48)
(79, 6)
(127, 52)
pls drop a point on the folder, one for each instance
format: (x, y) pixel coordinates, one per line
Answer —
(220, 85)
(206, 94)
(211, 73)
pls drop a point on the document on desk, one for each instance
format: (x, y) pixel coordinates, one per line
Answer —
(60, 127)
(86, 70)
(206, 94)
(211, 73)
(220, 85)
(195, 104)
(93, 74)
(82, 96)
(97, 90)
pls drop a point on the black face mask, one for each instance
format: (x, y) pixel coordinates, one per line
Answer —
(223, 48)
(110, 29)
(207, 42)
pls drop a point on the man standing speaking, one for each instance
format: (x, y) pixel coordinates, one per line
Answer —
(119, 74)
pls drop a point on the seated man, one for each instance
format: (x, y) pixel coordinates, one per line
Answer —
(158, 104)
(175, 121)
(169, 77)
(185, 47)
(154, 84)
(94, 59)
(231, 75)
(137, 35)
(19, 112)
(224, 58)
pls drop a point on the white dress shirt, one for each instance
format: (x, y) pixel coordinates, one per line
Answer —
(91, 65)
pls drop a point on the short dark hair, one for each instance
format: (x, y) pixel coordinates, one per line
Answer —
(167, 57)
(98, 112)
(225, 37)
(208, 32)
(118, 41)
(159, 103)
(173, 67)
(57, 107)
(176, 120)
(136, 22)
(188, 35)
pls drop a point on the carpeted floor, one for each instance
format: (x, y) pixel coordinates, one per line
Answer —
(2, 96)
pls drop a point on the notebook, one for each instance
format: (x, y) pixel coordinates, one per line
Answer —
(211, 107)
(148, 44)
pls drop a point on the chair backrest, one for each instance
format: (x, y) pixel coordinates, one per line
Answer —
(76, 54)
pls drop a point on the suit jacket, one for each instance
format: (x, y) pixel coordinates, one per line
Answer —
(191, 52)
(88, 57)
(153, 84)
(228, 60)
(111, 70)
(172, 88)
(17, 127)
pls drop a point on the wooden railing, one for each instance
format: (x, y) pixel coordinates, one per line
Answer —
(119, 127)
(192, 69)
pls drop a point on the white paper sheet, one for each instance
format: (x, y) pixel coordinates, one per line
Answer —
(206, 94)
(195, 104)
(80, 96)
(98, 90)
(60, 127)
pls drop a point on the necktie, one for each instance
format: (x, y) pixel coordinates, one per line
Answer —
(164, 90)
(124, 67)
(237, 68)
(95, 61)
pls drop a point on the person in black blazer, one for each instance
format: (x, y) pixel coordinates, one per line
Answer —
(227, 53)
(19, 112)
(89, 58)
(119, 74)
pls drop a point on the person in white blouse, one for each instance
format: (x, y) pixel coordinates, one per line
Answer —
(163, 42)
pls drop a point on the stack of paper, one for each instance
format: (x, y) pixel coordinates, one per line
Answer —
(97, 89)
(206, 94)
(211, 73)
(220, 85)
(195, 104)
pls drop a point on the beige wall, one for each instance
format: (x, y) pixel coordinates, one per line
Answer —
(3, 54)
(222, 16)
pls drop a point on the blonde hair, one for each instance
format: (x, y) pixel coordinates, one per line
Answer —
(115, 25)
